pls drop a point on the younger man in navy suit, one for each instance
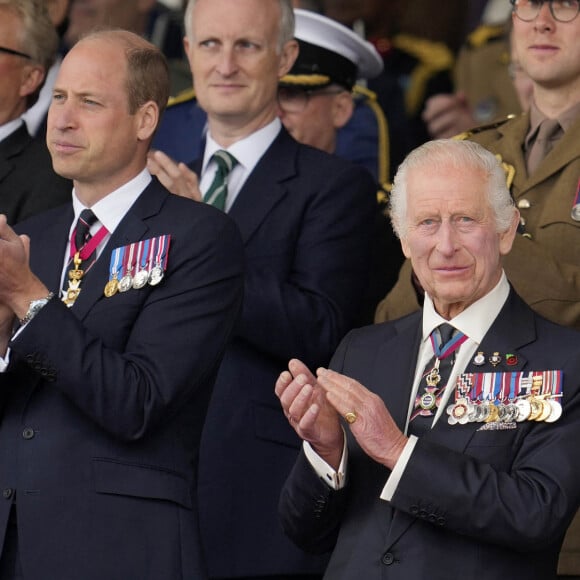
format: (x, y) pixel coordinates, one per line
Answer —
(104, 393)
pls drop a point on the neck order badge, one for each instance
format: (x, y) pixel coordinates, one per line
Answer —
(83, 253)
(445, 341)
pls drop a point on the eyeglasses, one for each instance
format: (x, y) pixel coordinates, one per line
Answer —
(14, 52)
(295, 100)
(561, 10)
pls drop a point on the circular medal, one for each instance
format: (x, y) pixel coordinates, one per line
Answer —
(427, 401)
(111, 287)
(556, 412)
(546, 410)
(125, 283)
(524, 409)
(474, 412)
(511, 412)
(140, 279)
(479, 359)
(493, 413)
(156, 275)
(501, 412)
(483, 412)
(576, 212)
(537, 408)
(460, 411)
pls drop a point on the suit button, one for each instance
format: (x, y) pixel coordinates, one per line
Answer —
(388, 559)
(8, 493)
(441, 521)
(423, 514)
(414, 510)
(432, 518)
(28, 433)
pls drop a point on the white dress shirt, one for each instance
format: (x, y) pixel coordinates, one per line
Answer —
(247, 151)
(474, 322)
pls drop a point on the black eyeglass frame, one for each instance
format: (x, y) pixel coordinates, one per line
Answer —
(15, 52)
(540, 4)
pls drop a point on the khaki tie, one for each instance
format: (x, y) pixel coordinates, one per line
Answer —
(543, 143)
(218, 190)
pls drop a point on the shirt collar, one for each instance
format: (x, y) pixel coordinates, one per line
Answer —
(112, 208)
(249, 150)
(476, 319)
(565, 119)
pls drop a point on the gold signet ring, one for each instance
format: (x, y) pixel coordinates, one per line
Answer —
(351, 417)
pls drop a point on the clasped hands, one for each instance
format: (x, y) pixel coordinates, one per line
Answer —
(314, 405)
(18, 285)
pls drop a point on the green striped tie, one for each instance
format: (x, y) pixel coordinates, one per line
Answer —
(216, 194)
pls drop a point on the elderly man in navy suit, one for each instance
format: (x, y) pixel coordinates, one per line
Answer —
(103, 394)
(442, 445)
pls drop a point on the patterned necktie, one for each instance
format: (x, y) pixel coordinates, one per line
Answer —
(82, 235)
(446, 340)
(543, 144)
(216, 194)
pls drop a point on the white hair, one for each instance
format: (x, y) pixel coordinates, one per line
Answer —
(461, 155)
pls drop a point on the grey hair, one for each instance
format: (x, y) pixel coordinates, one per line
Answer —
(461, 155)
(37, 38)
(285, 29)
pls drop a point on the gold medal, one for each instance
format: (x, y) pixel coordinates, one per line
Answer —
(546, 410)
(111, 287)
(493, 413)
(537, 406)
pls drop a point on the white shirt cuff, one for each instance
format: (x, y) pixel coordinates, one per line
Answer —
(334, 479)
(397, 473)
(4, 360)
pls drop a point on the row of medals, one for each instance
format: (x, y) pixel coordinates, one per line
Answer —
(526, 408)
(138, 281)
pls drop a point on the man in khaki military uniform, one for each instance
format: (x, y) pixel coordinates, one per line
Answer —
(544, 263)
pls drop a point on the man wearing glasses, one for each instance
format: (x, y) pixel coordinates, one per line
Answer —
(28, 43)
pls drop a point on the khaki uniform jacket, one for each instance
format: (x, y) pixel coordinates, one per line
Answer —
(544, 268)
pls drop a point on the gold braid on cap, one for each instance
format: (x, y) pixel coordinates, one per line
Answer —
(305, 79)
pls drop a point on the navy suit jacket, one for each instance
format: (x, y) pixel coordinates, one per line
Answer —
(103, 403)
(28, 184)
(471, 503)
(306, 219)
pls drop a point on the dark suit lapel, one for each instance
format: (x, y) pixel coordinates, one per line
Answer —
(131, 229)
(513, 328)
(264, 187)
(48, 249)
(10, 147)
(395, 358)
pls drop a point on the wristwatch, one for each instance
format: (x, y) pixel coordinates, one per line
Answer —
(34, 308)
